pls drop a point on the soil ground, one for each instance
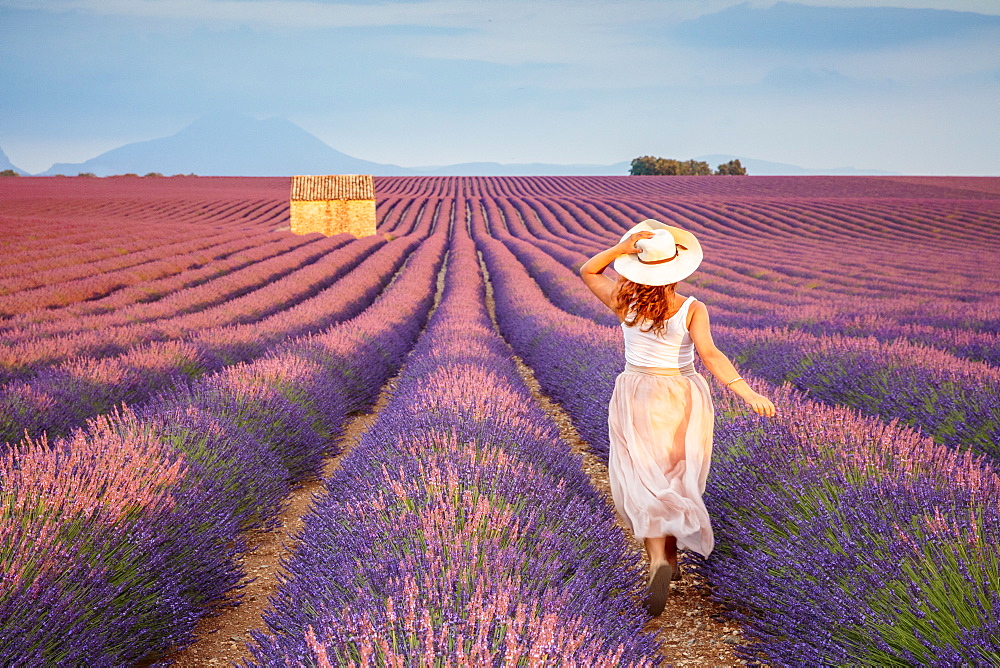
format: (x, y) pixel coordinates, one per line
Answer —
(222, 639)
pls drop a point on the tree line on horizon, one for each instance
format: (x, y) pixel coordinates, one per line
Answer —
(650, 165)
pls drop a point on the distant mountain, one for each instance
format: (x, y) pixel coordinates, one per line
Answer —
(5, 164)
(237, 145)
(764, 168)
(524, 169)
(229, 145)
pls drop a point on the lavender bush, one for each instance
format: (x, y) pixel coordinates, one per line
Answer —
(846, 540)
(843, 540)
(460, 530)
(801, 286)
(853, 542)
(61, 397)
(247, 296)
(954, 400)
(560, 347)
(117, 539)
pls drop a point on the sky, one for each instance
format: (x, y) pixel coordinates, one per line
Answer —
(909, 86)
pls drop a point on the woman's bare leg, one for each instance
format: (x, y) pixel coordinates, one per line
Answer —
(661, 548)
(656, 548)
(670, 549)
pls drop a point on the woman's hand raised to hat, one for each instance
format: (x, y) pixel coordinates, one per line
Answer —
(627, 245)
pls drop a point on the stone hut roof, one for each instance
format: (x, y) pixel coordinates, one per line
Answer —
(346, 186)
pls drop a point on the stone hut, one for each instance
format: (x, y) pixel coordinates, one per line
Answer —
(333, 204)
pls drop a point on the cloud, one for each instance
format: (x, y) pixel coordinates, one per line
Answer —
(362, 13)
(803, 79)
(795, 27)
(978, 6)
(279, 13)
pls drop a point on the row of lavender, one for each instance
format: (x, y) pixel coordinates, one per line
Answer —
(55, 236)
(952, 399)
(773, 225)
(460, 530)
(42, 248)
(799, 283)
(62, 396)
(115, 540)
(169, 279)
(141, 309)
(25, 350)
(170, 249)
(984, 189)
(843, 540)
(764, 210)
(915, 289)
(752, 295)
(188, 270)
(848, 541)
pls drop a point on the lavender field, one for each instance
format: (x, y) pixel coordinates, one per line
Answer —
(174, 362)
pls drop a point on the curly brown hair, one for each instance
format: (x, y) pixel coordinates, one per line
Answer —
(636, 303)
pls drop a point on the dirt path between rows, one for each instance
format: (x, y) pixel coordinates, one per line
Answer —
(221, 639)
(691, 629)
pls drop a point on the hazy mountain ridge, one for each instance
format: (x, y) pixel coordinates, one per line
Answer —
(767, 168)
(237, 145)
(229, 145)
(5, 164)
(523, 169)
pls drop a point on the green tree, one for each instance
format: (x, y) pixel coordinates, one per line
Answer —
(731, 168)
(9, 172)
(645, 166)
(649, 165)
(695, 168)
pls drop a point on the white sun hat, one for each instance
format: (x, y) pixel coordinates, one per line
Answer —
(670, 255)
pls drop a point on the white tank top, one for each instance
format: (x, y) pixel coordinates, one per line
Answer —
(672, 349)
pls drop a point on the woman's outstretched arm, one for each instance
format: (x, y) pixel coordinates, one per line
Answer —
(720, 366)
(591, 271)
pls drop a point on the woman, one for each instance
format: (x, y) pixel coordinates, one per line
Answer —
(661, 415)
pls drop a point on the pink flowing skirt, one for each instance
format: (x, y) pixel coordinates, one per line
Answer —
(661, 450)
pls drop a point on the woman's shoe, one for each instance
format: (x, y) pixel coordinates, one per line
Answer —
(659, 587)
(677, 574)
